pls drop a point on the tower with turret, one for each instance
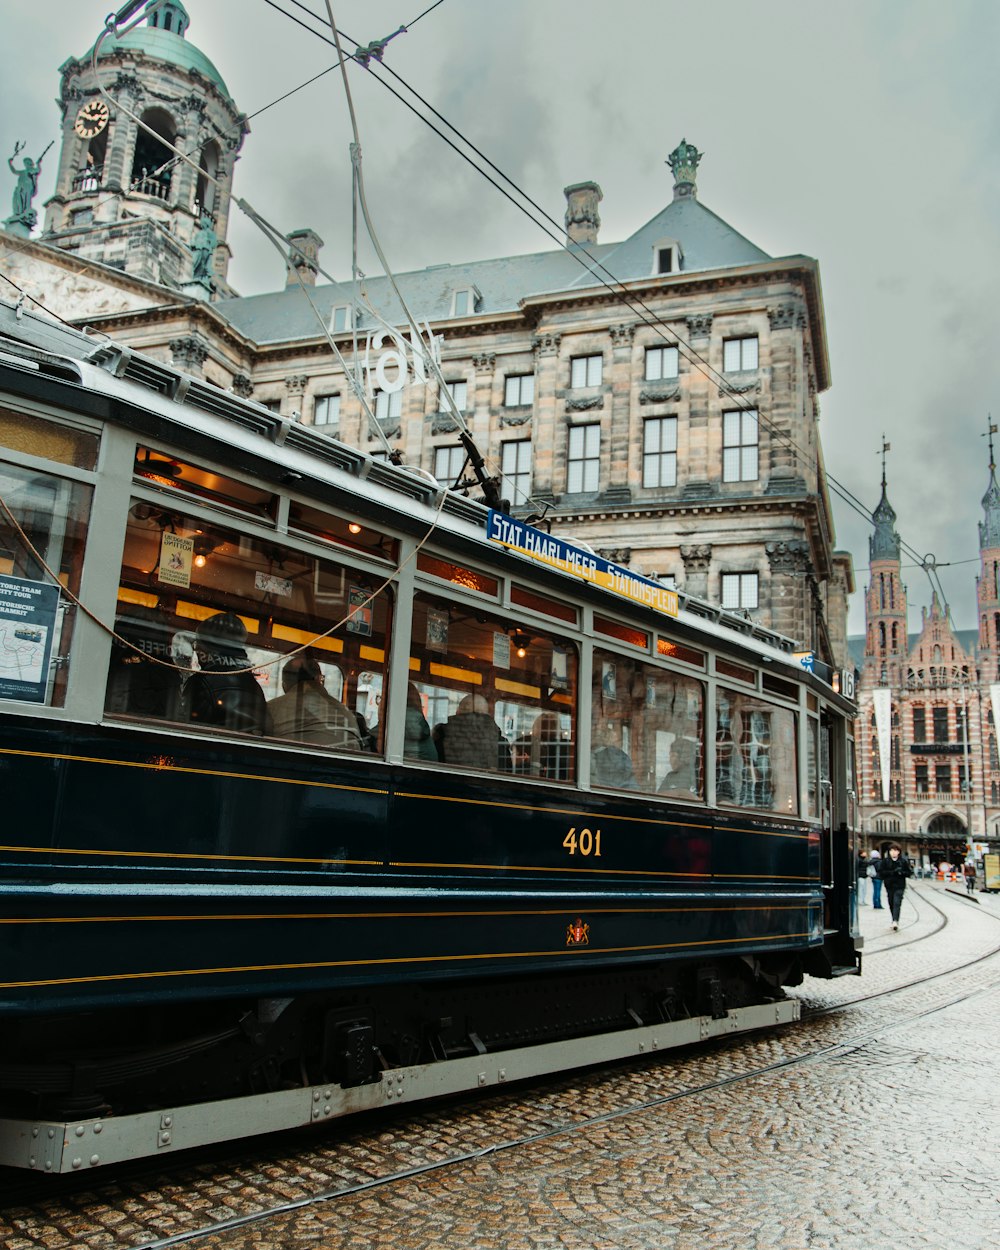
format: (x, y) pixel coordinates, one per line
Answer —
(885, 599)
(123, 198)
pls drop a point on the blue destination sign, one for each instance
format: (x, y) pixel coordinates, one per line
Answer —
(545, 549)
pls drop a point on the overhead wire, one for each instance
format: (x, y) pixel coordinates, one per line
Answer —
(648, 316)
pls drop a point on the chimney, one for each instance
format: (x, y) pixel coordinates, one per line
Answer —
(303, 257)
(582, 219)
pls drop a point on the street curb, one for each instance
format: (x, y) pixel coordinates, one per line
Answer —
(969, 898)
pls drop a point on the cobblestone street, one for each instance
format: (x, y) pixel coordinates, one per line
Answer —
(886, 1136)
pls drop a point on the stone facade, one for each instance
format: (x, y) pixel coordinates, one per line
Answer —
(687, 437)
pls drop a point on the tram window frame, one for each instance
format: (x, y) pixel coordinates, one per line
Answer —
(753, 776)
(164, 618)
(459, 649)
(387, 550)
(265, 511)
(522, 597)
(426, 560)
(629, 634)
(732, 671)
(37, 425)
(73, 490)
(677, 651)
(654, 715)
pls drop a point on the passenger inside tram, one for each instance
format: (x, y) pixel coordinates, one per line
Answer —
(472, 737)
(308, 712)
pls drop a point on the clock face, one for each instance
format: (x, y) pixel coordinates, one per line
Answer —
(91, 119)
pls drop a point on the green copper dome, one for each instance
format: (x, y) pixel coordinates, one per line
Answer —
(163, 45)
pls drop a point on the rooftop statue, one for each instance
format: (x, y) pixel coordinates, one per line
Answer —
(25, 190)
(684, 160)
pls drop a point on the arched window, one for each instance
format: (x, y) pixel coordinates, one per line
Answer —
(206, 192)
(937, 654)
(892, 592)
(151, 168)
(881, 637)
(895, 636)
(881, 590)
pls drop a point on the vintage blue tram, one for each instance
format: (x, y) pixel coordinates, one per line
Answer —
(318, 777)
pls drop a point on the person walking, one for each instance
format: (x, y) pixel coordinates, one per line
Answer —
(862, 877)
(893, 870)
(873, 863)
(970, 877)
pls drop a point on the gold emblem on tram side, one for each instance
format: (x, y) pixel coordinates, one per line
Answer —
(577, 933)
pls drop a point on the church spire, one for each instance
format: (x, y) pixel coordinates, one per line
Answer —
(884, 543)
(989, 530)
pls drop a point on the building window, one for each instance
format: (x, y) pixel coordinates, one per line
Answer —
(583, 469)
(661, 362)
(515, 464)
(459, 392)
(272, 405)
(326, 411)
(942, 778)
(388, 404)
(940, 715)
(519, 390)
(739, 355)
(341, 319)
(659, 452)
(664, 260)
(739, 590)
(586, 371)
(919, 724)
(739, 446)
(448, 464)
(921, 779)
(465, 301)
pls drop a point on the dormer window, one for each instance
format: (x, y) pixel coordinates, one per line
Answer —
(341, 318)
(465, 301)
(667, 256)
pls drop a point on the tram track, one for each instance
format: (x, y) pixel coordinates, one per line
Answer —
(83, 1193)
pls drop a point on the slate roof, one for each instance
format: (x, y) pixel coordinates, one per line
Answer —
(706, 241)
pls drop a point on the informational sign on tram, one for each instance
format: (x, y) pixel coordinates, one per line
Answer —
(546, 549)
(27, 625)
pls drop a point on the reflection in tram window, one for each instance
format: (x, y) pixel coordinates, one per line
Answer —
(647, 728)
(179, 574)
(755, 755)
(497, 696)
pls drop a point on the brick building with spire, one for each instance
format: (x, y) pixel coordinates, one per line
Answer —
(929, 774)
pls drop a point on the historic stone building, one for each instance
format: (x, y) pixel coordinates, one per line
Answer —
(667, 416)
(929, 705)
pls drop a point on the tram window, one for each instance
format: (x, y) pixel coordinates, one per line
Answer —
(777, 685)
(50, 440)
(664, 646)
(35, 630)
(812, 767)
(624, 633)
(468, 578)
(497, 696)
(755, 756)
(550, 607)
(162, 469)
(256, 617)
(647, 728)
(335, 529)
(728, 669)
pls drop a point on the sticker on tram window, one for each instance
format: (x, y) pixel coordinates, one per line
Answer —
(559, 674)
(359, 611)
(27, 626)
(437, 629)
(176, 555)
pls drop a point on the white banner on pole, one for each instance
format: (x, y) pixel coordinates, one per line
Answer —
(882, 702)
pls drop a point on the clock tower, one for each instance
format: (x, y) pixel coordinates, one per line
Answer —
(123, 197)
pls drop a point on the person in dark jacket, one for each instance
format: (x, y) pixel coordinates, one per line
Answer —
(893, 869)
(862, 878)
(417, 741)
(472, 737)
(225, 694)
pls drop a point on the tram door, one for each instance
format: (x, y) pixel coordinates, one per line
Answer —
(826, 801)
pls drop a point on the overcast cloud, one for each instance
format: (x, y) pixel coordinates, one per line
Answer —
(862, 133)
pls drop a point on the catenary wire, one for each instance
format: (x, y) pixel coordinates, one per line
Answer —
(633, 302)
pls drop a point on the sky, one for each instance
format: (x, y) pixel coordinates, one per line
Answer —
(864, 134)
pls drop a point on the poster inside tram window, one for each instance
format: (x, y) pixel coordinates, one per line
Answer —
(991, 869)
(27, 625)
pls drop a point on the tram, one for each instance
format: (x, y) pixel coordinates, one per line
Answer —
(326, 787)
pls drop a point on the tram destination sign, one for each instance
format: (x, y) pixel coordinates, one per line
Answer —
(545, 549)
